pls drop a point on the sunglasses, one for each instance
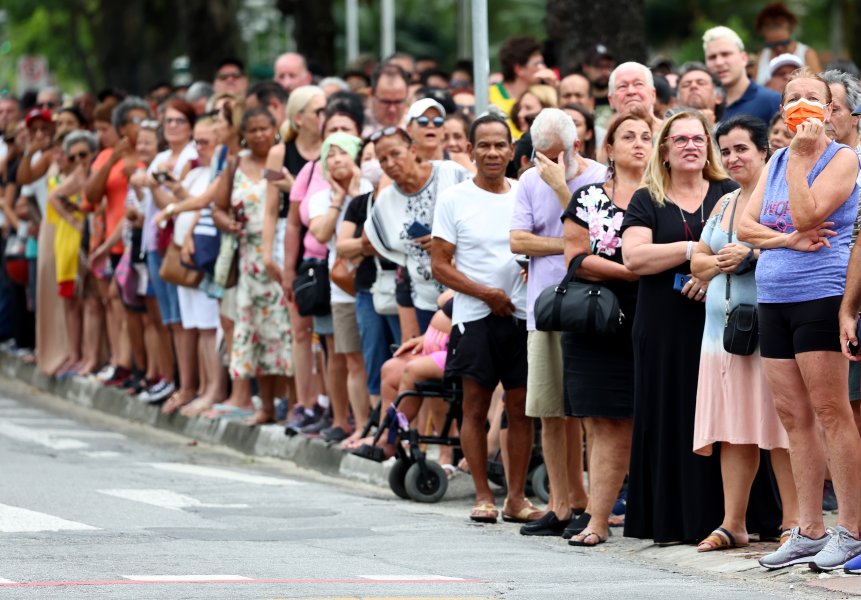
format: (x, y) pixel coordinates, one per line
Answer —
(389, 131)
(230, 75)
(47, 105)
(78, 156)
(424, 121)
(135, 121)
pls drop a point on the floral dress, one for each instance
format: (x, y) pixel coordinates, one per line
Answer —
(261, 334)
(599, 369)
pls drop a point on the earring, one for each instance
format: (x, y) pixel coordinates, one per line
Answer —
(708, 162)
(611, 169)
(667, 165)
(277, 138)
(243, 143)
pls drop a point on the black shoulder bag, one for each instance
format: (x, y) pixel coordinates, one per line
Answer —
(578, 306)
(741, 325)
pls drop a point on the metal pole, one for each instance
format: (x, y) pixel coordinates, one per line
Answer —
(352, 30)
(480, 55)
(463, 28)
(387, 13)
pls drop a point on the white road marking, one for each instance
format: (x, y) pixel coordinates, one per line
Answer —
(169, 578)
(165, 499)
(82, 433)
(100, 454)
(412, 577)
(19, 520)
(222, 474)
(2, 581)
(36, 436)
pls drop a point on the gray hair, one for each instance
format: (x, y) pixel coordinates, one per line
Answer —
(552, 125)
(628, 65)
(198, 90)
(79, 136)
(721, 33)
(342, 85)
(122, 110)
(850, 84)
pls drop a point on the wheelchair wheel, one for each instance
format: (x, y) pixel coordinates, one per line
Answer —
(540, 482)
(430, 487)
(397, 476)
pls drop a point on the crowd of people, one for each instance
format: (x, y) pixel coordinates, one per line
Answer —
(301, 249)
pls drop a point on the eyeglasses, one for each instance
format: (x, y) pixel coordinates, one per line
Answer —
(390, 131)
(149, 124)
(680, 141)
(392, 103)
(78, 156)
(203, 142)
(135, 121)
(229, 75)
(50, 105)
(424, 121)
(175, 121)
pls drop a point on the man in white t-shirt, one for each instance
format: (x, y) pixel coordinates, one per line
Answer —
(488, 338)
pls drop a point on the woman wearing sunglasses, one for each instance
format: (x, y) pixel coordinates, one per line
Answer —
(674, 495)
(425, 121)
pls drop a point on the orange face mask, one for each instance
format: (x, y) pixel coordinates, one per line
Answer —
(796, 113)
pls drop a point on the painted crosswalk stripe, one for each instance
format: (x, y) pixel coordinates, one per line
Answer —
(165, 499)
(223, 474)
(82, 433)
(185, 578)
(6, 581)
(423, 578)
(35, 436)
(20, 520)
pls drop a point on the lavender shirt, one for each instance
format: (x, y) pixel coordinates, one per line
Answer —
(822, 273)
(537, 210)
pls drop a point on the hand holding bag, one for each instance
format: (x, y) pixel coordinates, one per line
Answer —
(578, 306)
(173, 272)
(741, 325)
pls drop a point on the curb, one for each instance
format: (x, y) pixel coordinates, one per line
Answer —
(267, 440)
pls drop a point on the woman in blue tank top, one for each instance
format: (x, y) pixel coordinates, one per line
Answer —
(801, 216)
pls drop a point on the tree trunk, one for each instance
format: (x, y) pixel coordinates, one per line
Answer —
(314, 31)
(210, 33)
(576, 26)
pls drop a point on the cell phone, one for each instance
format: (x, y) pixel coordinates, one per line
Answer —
(680, 281)
(854, 348)
(270, 175)
(522, 260)
(417, 230)
(163, 176)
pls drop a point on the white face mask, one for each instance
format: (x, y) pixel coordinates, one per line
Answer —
(372, 171)
(811, 103)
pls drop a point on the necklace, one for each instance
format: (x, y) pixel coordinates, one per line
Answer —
(689, 234)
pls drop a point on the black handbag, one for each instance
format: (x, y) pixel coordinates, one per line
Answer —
(578, 306)
(741, 325)
(311, 288)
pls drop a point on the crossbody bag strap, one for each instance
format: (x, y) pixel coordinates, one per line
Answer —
(729, 241)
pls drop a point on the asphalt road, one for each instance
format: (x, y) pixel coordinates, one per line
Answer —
(92, 506)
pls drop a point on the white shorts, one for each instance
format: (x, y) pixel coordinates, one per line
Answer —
(278, 243)
(196, 309)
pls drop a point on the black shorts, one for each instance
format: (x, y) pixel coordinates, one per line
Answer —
(489, 351)
(790, 328)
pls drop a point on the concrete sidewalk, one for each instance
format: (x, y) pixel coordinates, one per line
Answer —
(316, 455)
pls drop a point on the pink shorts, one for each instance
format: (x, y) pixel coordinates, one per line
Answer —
(439, 358)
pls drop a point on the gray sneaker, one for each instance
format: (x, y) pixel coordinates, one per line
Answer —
(840, 548)
(796, 550)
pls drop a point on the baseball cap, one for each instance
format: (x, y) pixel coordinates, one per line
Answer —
(38, 113)
(783, 60)
(420, 106)
(600, 51)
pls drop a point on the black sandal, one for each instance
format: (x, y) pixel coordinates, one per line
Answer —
(374, 453)
(576, 525)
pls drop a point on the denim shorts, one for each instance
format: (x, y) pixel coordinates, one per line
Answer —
(165, 293)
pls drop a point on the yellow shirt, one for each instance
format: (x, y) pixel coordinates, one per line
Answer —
(67, 239)
(500, 98)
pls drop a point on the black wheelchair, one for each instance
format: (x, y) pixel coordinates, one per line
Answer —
(414, 476)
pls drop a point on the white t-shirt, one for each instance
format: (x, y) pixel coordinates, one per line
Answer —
(188, 153)
(391, 217)
(477, 222)
(318, 205)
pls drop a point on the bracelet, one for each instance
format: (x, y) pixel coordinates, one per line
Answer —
(170, 209)
(689, 250)
(338, 208)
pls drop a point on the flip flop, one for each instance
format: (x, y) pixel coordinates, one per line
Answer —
(484, 513)
(527, 514)
(720, 539)
(585, 535)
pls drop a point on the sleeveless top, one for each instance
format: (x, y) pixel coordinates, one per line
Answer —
(762, 74)
(785, 275)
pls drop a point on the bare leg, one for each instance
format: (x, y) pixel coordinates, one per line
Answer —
(521, 436)
(476, 402)
(165, 356)
(357, 387)
(738, 463)
(782, 468)
(74, 325)
(577, 495)
(554, 444)
(266, 414)
(303, 357)
(134, 324)
(336, 384)
(94, 324)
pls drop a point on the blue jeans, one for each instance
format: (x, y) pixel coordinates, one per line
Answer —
(165, 293)
(377, 333)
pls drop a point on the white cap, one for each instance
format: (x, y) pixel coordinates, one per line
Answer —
(783, 60)
(420, 106)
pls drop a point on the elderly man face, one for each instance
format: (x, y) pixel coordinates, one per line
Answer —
(291, 71)
(9, 112)
(632, 91)
(49, 98)
(842, 127)
(697, 90)
(575, 89)
(230, 79)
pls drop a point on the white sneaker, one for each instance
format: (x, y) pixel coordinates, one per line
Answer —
(106, 374)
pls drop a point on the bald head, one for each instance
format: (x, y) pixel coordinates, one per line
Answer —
(291, 71)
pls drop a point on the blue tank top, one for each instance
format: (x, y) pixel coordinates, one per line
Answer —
(784, 275)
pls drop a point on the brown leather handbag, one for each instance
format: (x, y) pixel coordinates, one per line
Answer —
(343, 274)
(173, 272)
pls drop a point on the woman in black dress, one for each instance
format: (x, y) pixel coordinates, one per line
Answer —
(599, 370)
(673, 494)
